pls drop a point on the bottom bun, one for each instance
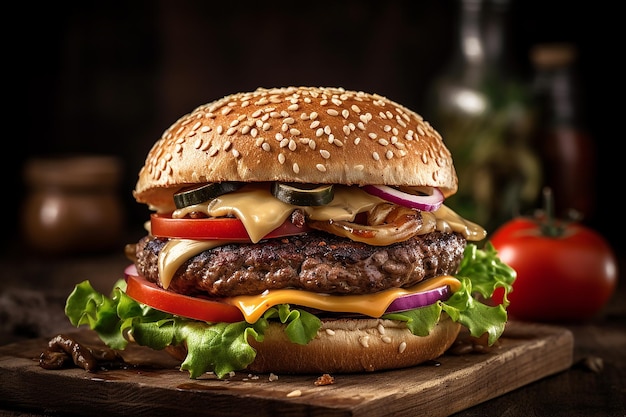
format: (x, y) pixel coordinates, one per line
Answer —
(352, 345)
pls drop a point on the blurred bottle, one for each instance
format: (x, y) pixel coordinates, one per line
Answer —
(482, 109)
(72, 205)
(568, 153)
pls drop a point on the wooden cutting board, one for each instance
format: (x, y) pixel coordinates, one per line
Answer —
(525, 353)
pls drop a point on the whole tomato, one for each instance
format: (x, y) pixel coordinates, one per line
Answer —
(565, 271)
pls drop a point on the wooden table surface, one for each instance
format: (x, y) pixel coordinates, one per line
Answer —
(33, 293)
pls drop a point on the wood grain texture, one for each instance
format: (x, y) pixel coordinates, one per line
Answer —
(155, 387)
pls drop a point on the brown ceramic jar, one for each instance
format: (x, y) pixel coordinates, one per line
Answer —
(72, 205)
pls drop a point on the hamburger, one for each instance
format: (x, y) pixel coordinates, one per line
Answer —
(299, 230)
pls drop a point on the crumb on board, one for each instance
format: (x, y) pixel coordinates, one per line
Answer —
(325, 379)
(294, 393)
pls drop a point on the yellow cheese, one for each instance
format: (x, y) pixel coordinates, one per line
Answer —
(374, 305)
(177, 251)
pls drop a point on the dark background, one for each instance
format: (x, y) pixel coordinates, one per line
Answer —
(110, 77)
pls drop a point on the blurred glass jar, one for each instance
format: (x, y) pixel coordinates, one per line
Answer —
(72, 205)
(481, 106)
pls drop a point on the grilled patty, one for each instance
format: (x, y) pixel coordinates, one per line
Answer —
(315, 261)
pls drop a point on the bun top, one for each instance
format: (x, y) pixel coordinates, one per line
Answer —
(296, 134)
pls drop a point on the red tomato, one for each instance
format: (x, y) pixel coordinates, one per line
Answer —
(229, 228)
(148, 293)
(567, 277)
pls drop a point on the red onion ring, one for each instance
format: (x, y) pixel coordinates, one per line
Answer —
(421, 202)
(420, 299)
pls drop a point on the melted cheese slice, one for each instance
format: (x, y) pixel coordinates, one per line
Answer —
(374, 305)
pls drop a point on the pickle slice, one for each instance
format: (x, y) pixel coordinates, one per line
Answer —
(303, 194)
(197, 194)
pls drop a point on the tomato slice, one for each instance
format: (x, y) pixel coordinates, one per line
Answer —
(143, 291)
(229, 228)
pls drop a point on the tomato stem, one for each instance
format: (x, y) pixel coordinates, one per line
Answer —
(549, 224)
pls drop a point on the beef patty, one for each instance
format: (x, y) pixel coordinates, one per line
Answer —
(315, 261)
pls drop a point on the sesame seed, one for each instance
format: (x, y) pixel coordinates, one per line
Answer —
(245, 129)
(266, 147)
(402, 347)
(314, 124)
(226, 110)
(330, 332)
(381, 328)
(289, 120)
(220, 129)
(197, 144)
(383, 142)
(320, 168)
(296, 168)
(313, 115)
(312, 144)
(284, 142)
(293, 107)
(213, 151)
(294, 132)
(375, 156)
(231, 131)
(364, 341)
(245, 103)
(332, 112)
(284, 127)
(292, 145)
(388, 154)
(345, 113)
(266, 127)
(346, 130)
(205, 129)
(336, 101)
(325, 154)
(191, 133)
(226, 145)
(372, 135)
(295, 393)
(235, 153)
(319, 132)
(196, 126)
(355, 108)
(234, 123)
(357, 140)
(281, 158)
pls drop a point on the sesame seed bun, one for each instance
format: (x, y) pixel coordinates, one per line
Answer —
(296, 134)
(350, 346)
(347, 346)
